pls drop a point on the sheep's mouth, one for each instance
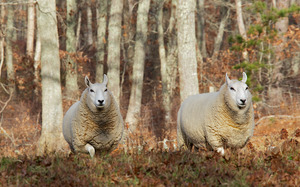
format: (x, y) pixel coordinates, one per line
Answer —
(241, 106)
(100, 106)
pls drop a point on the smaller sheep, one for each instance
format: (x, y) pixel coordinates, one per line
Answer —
(217, 120)
(94, 122)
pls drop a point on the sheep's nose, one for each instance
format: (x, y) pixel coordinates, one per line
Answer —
(101, 101)
(243, 101)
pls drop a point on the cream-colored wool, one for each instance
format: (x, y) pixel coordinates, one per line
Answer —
(94, 124)
(217, 120)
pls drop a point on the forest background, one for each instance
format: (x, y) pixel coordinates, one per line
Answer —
(155, 54)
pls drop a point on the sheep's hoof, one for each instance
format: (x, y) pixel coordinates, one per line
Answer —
(90, 149)
(221, 150)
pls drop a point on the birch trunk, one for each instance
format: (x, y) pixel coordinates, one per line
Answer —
(70, 63)
(187, 49)
(101, 38)
(8, 47)
(30, 29)
(114, 39)
(51, 140)
(134, 109)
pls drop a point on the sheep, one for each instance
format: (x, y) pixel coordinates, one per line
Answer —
(94, 122)
(217, 120)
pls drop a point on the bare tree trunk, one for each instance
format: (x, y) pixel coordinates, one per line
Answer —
(163, 64)
(172, 57)
(9, 51)
(114, 39)
(78, 30)
(187, 49)
(51, 140)
(201, 29)
(134, 108)
(30, 29)
(241, 25)
(89, 23)
(70, 63)
(275, 90)
(218, 41)
(37, 62)
(101, 39)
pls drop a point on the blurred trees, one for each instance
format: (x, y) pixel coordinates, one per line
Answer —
(152, 54)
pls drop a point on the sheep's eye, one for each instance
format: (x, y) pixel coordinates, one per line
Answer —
(105, 90)
(231, 88)
(247, 88)
(91, 90)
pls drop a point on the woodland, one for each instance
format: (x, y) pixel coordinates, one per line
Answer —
(155, 54)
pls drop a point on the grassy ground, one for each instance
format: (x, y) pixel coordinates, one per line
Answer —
(276, 165)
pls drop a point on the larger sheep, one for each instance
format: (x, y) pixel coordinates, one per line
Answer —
(94, 122)
(217, 120)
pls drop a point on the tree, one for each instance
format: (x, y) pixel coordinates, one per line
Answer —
(187, 63)
(241, 25)
(101, 38)
(8, 47)
(114, 39)
(70, 63)
(51, 139)
(89, 22)
(135, 100)
(218, 41)
(30, 29)
(201, 27)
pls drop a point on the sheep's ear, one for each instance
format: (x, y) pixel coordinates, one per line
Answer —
(227, 79)
(105, 79)
(244, 77)
(87, 81)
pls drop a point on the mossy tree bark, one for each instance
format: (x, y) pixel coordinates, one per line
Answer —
(51, 140)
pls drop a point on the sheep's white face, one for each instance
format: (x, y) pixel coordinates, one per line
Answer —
(98, 96)
(239, 91)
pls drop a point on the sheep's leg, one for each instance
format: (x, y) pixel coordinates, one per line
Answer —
(89, 148)
(180, 141)
(216, 143)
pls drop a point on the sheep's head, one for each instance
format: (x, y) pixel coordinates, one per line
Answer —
(238, 92)
(98, 96)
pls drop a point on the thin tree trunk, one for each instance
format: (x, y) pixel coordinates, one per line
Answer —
(8, 51)
(51, 140)
(172, 49)
(134, 108)
(70, 63)
(37, 62)
(78, 30)
(101, 39)
(163, 64)
(218, 41)
(114, 39)
(187, 49)
(201, 29)
(241, 25)
(89, 23)
(30, 29)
